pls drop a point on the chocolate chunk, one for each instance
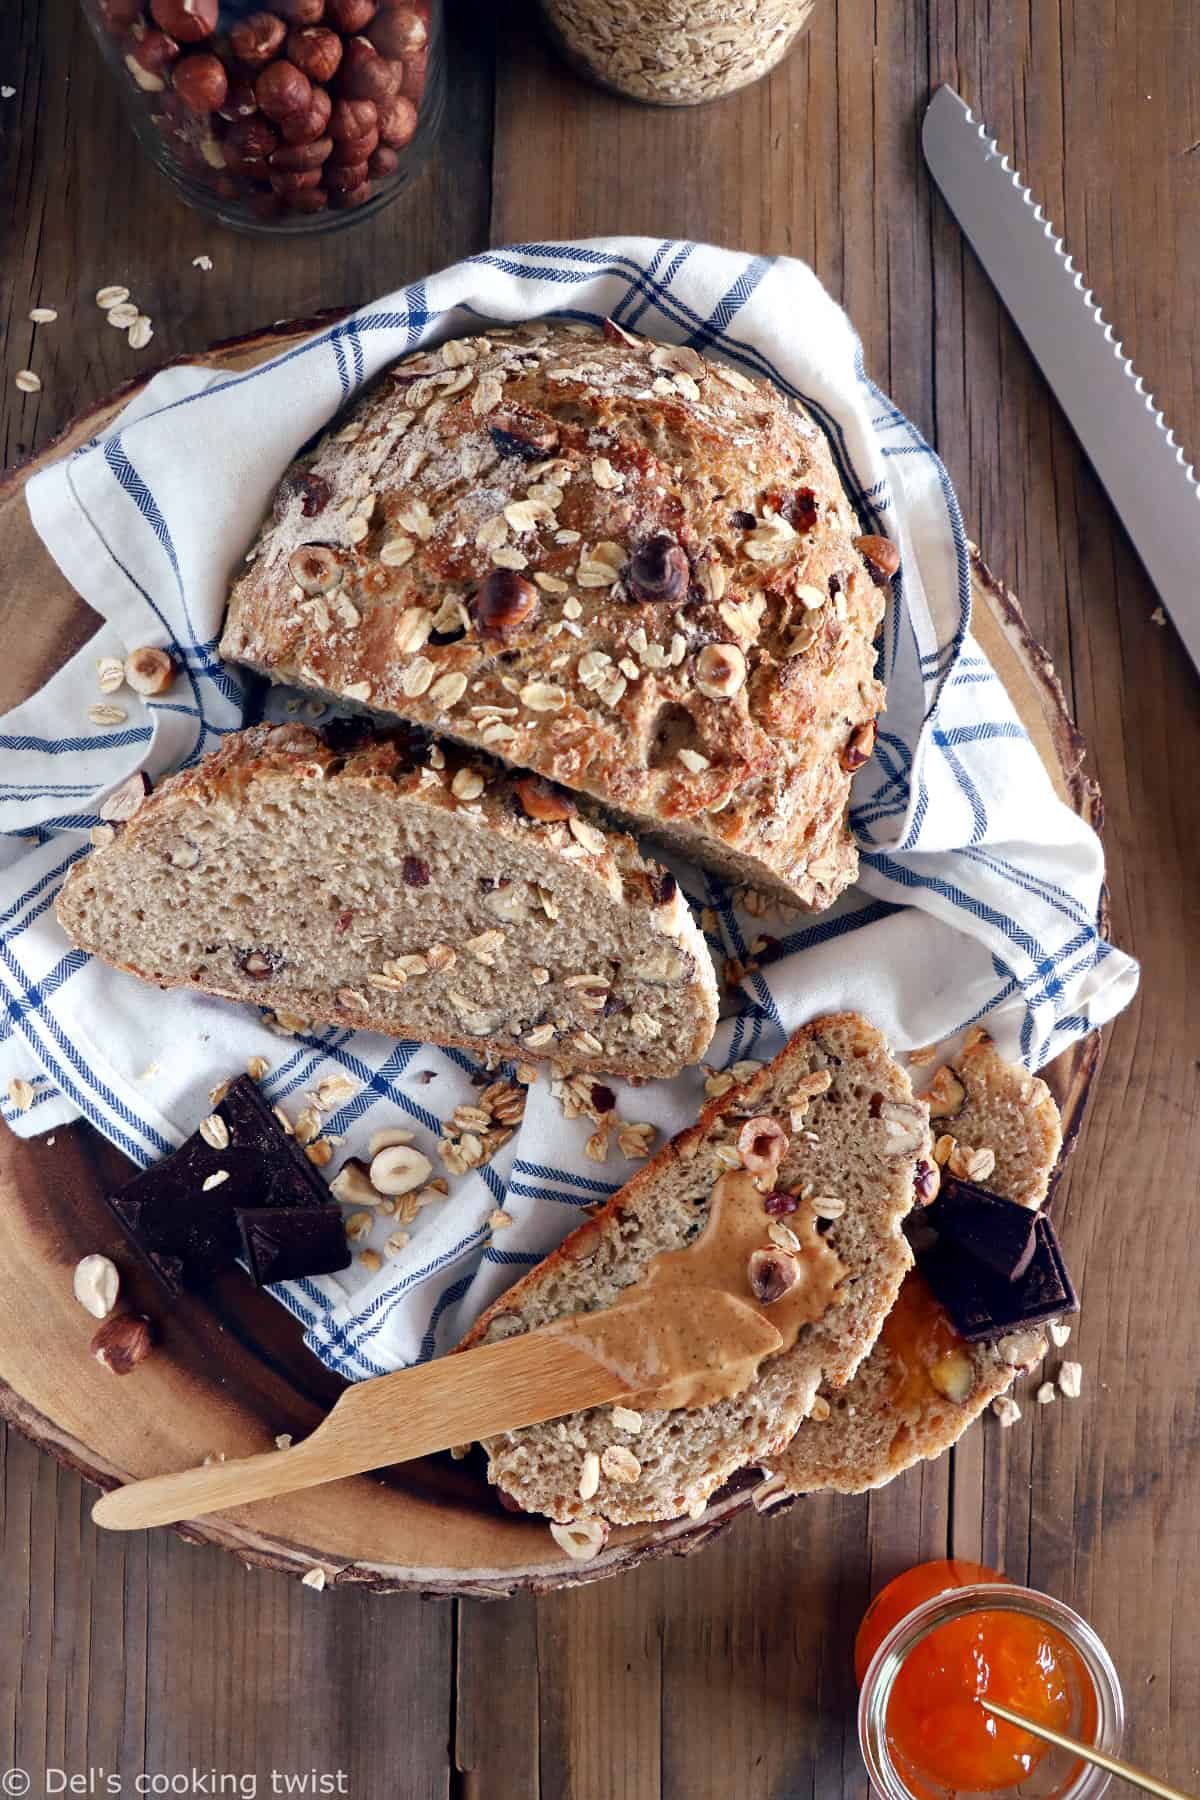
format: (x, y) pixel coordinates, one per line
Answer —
(996, 1232)
(187, 1232)
(983, 1305)
(284, 1243)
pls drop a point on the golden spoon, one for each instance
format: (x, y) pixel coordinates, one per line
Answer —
(1147, 1783)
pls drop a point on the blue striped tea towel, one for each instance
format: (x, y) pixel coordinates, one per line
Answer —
(979, 890)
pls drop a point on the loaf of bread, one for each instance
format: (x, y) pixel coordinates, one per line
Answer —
(922, 1385)
(855, 1137)
(394, 885)
(611, 561)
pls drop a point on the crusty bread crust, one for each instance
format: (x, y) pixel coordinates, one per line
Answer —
(870, 1435)
(721, 705)
(685, 1456)
(391, 784)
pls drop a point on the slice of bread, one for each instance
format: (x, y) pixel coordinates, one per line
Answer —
(404, 888)
(841, 1146)
(922, 1385)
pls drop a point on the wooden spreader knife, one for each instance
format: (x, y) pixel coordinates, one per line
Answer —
(393, 1418)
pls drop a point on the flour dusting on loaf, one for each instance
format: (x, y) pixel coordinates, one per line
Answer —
(615, 562)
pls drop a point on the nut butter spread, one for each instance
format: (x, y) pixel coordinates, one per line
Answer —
(691, 1331)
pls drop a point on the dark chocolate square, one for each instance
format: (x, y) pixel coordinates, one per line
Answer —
(983, 1305)
(187, 1233)
(283, 1243)
(988, 1228)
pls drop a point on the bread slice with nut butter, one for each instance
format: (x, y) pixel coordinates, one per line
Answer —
(386, 883)
(830, 1136)
(922, 1385)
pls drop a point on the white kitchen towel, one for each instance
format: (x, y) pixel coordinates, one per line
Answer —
(979, 891)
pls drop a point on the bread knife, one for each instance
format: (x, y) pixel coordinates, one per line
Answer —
(1128, 442)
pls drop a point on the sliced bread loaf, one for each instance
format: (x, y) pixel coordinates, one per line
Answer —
(922, 1385)
(854, 1137)
(399, 887)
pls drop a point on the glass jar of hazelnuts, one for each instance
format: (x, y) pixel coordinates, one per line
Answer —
(292, 117)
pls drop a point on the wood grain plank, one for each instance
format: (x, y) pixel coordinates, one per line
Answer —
(601, 1693)
(149, 1654)
(497, 1725)
(1097, 1502)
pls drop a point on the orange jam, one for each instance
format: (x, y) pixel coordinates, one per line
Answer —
(936, 1728)
(919, 1336)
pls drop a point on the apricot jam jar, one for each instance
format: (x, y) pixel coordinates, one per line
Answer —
(944, 1636)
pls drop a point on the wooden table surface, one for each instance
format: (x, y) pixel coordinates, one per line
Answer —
(728, 1674)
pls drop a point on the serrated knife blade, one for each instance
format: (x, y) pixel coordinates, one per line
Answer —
(1145, 472)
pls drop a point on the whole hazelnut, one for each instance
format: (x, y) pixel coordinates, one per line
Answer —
(542, 801)
(398, 33)
(881, 553)
(383, 162)
(301, 12)
(658, 570)
(365, 75)
(239, 102)
(302, 156)
(187, 20)
(302, 127)
(503, 603)
(762, 1144)
(150, 59)
(859, 747)
(201, 82)
(281, 89)
(771, 1274)
(355, 197)
(123, 1342)
(720, 671)
(308, 200)
(248, 144)
(413, 85)
(350, 15)
(343, 178)
(354, 150)
(287, 182)
(149, 671)
(352, 119)
(397, 122)
(316, 50)
(256, 40)
(119, 15)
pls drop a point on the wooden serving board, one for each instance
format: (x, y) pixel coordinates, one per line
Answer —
(231, 1371)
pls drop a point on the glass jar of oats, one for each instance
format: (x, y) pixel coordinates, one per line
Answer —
(675, 52)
